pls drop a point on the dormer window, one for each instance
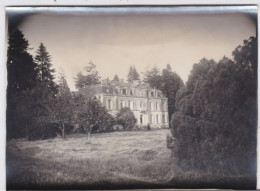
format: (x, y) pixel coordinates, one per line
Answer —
(152, 94)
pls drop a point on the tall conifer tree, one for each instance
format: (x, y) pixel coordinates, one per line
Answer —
(45, 72)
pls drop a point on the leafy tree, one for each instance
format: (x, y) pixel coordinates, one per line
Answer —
(94, 116)
(91, 78)
(61, 107)
(45, 73)
(153, 77)
(126, 118)
(132, 74)
(168, 82)
(171, 83)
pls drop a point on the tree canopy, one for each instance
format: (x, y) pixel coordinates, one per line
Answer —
(167, 81)
(91, 78)
(132, 74)
(44, 70)
(216, 115)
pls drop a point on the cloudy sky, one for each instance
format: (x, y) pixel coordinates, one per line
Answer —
(115, 38)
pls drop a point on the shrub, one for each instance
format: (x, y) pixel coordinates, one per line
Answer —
(126, 118)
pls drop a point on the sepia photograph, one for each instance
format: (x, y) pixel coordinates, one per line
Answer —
(131, 97)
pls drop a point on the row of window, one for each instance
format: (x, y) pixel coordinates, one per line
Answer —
(154, 119)
(142, 93)
(142, 105)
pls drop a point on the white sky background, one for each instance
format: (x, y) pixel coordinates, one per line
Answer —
(115, 38)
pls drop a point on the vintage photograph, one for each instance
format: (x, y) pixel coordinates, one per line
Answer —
(131, 97)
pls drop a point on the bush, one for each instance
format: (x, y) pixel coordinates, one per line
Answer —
(46, 131)
(126, 118)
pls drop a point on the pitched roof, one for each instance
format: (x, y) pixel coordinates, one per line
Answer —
(112, 89)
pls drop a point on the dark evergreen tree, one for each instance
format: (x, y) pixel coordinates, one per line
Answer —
(21, 76)
(21, 70)
(45, 72)
(217, 111)
(132, 74)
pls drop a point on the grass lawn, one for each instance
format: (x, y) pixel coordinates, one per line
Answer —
(137, 159)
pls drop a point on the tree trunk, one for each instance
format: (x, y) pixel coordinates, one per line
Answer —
(27, 132)
(63, 131)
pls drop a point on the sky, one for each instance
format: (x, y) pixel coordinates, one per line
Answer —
(116, 38)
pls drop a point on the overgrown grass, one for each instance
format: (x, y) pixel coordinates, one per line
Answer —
(118, 160)
(111, 160)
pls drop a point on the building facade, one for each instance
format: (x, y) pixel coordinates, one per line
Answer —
(148, 104)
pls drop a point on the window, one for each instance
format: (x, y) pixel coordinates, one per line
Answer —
(147, 93)
(157, 118)
(151, 106)
(163, 118)
(129, 104)
(131, 92)
(121, 104)
(156, 106)
(124, 91)
(151, 118)
(141, 119)
(109, 104)
(141, 104)
(152, 94)
(162, 106)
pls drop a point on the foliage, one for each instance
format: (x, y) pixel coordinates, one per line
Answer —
(32, 115)
(116, 78)
(61, 107)
(126, 118)
(168, 82)
(20, 66)
(21, 76)
(44, 71)
(153, 77)
(63, 87)
(92, 116)
(214, 129)
(132, 74)
(91, 78)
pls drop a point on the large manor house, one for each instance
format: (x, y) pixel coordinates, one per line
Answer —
(148, 104)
